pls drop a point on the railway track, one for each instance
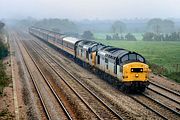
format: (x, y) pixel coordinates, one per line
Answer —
(156, 106)
(32, 76)
(169, 97)
(176, 95)
(99, 107)
(162, 104)
(152, 109)
(164, 116)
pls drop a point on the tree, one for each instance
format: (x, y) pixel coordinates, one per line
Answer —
(155, 25)
(148, 36)
(108, 37)
(87, 35)
(168, 26)
(130, 37)
(158, 26)
(3, 50)
(118, 26)
(1, 25)
(116, 36)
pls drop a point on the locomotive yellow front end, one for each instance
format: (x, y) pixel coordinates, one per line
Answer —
(135, 74)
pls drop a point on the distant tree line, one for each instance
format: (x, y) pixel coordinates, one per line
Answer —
(158, 26)
(58, 25)
(127, 37)
(149, 36)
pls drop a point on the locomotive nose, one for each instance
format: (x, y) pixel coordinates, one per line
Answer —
(135, 71)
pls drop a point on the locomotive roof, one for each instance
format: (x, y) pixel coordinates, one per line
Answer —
(87, 43)
(72, 40)
(112, 51)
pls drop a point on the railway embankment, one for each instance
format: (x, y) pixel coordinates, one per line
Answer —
(6, 94)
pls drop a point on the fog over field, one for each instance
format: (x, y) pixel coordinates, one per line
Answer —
(89, 9)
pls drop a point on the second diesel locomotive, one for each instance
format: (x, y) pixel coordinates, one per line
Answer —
(116, 64)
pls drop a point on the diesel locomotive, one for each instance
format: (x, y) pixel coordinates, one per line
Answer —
(128, 69)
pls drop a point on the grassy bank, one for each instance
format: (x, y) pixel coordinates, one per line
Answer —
(4, 80)
(163, 57)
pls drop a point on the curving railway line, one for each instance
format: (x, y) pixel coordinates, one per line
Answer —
(160, 100)
(46, 108)
(170, 111)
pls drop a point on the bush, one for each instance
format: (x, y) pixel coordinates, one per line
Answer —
(175, 36)
(174, 76)
(88, 35)
(4, 80)
(157, 69)
(130, 37)
(3, 50)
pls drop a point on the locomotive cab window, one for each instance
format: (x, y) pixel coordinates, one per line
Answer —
(139, 58)
(132, 56)
(94, 48)
(125, 58)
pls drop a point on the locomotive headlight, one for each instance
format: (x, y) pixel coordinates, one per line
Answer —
(136, 75)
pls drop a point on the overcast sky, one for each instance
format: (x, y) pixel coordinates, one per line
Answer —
(90, 9)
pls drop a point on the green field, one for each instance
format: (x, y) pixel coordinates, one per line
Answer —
(166, 55)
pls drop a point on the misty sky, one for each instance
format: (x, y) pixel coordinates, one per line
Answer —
(90, 9)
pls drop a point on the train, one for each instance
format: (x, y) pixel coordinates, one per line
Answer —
(119, 66)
